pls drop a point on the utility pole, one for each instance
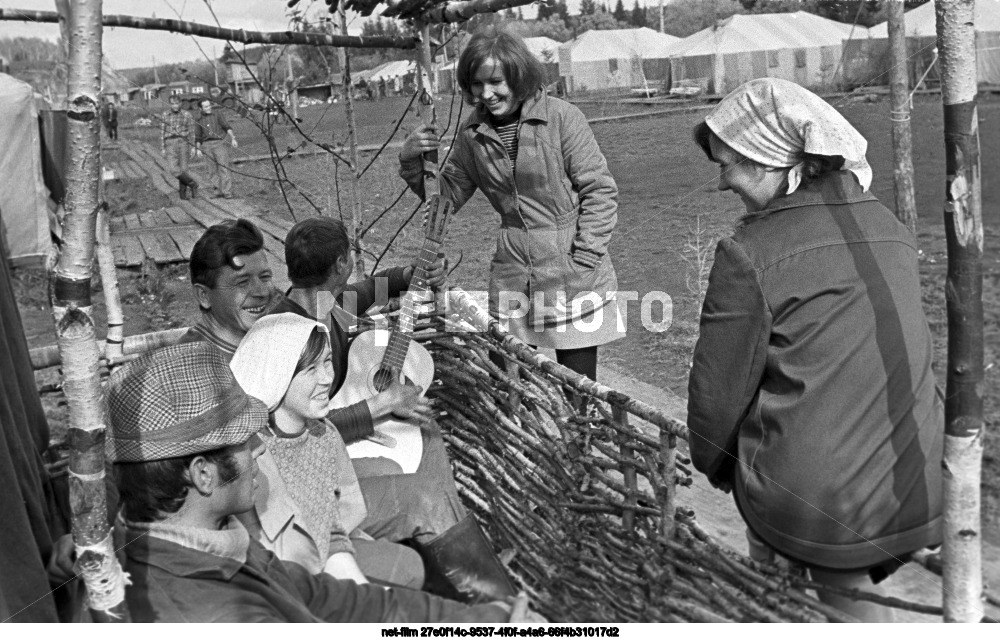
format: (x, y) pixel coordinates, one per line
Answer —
(215, 67)
(902, 142)
(662, 25)
(963, 404)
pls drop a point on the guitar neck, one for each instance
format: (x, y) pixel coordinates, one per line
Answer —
(418, 293)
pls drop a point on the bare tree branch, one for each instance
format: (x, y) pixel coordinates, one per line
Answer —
(222, 33)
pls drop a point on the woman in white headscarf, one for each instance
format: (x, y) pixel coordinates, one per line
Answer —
(811, 395)
(308, 506)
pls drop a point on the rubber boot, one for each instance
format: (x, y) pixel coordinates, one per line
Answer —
(192, 185)
(182, 188)
(460, 565)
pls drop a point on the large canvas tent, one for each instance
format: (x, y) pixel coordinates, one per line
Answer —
(868, 61)
(24, 213)
(614, 59)
(801, 47)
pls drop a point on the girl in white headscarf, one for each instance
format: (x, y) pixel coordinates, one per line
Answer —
(811, 395)
(308, 505)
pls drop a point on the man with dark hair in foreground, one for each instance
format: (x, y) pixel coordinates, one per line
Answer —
(183, 441)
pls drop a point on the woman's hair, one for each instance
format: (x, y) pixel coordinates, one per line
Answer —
(522, 71)
(311, 351)
(815, 165)
(149, 491)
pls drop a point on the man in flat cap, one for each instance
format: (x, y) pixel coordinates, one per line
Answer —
(183, 443)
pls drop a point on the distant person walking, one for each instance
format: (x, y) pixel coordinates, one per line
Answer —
(109, 118)
(177, 130)
(211, 131)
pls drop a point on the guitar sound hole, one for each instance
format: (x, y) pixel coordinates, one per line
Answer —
(383, 378)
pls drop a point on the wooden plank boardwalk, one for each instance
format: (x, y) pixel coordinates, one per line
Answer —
(167, 235)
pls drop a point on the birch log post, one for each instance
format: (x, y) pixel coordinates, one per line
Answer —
(109, 284)
(352, 136)
(425, 67)
(963, 447)
(72, 311)
(902, 141)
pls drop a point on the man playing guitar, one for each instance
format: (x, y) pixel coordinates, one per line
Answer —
(422, 507)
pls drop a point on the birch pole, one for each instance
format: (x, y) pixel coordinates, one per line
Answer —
(291, 89)
(426, 99)
(72, 311)
(963, 446)
(902, 141)
(109, 284)
(352, 136)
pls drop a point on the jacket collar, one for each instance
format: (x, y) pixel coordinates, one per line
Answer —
(535, 108)
(190, 552)
(837, 188)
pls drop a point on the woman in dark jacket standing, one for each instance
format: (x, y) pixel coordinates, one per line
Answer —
(811, 394)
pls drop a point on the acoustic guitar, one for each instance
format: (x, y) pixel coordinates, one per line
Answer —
(378, 356)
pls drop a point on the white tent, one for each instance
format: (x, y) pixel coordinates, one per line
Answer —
(24, 213)
(392, 70)
(801, 47)
(616, 58)
(545, 49)
(921, 36)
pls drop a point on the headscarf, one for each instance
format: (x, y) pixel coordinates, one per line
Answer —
(264, 363)
(773, 122)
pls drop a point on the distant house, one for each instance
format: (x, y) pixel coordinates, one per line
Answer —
(151, 91)
(322, 91)
(253, 72)
(114, 86)
(614, 59)
(186, 87)
(801, 47)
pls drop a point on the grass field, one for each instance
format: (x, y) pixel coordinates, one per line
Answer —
(667, 189)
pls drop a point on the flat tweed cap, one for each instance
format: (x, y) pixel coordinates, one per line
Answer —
(178, 401)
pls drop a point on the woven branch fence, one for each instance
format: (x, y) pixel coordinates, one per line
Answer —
(581, 504)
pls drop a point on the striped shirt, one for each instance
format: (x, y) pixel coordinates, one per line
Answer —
(201, 332)
(508, 136)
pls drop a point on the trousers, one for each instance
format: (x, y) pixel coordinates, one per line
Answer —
(219, 165)
(177, 152)
(417, 506)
